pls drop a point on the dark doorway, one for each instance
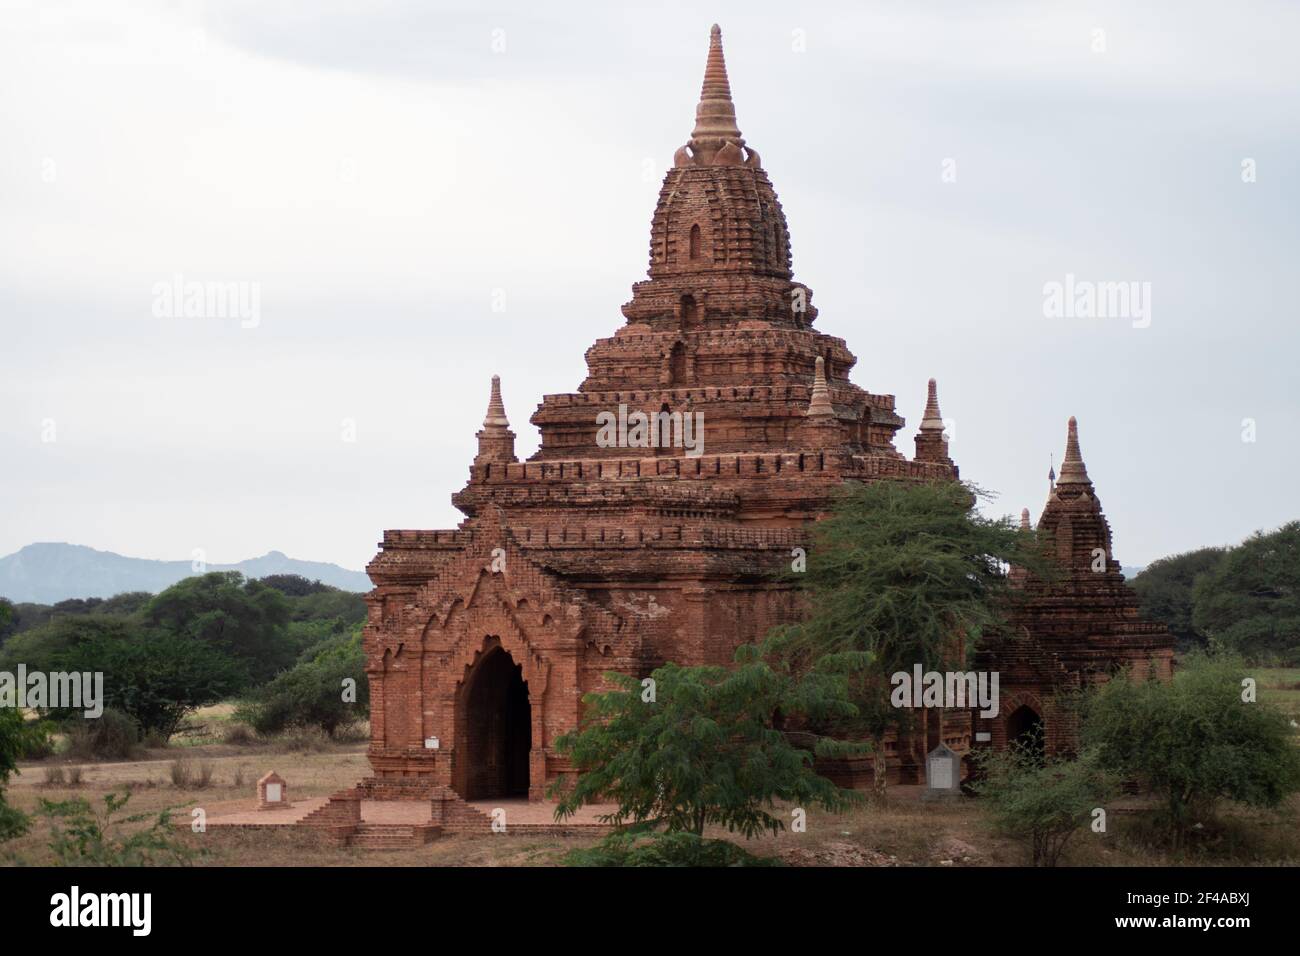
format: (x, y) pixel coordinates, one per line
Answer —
(1025, 730)
(498, 729)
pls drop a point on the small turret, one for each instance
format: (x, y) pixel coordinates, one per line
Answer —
(931, 442)
(496, 442)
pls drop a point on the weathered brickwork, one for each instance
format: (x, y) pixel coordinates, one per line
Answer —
(594, 556)
(1081, 627)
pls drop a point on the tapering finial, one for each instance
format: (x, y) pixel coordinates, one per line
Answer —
(1073, 471)
(715, 117)
(1051, 472)
(1024, 519)
(932, 420)
(496, 411)
(496, 442)
(819, 404)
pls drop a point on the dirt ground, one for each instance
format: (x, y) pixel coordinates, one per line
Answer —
(904, 831)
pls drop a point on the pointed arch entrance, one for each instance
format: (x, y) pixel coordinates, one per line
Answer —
(1025, 728)
(494, 722)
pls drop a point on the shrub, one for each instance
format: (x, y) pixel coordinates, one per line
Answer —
(37, 740)
(241, 735)
(111, 736)
(1042, 801)
(187, 775)
(1195, 741)
(629, 848)
(156, 740)
(312, 694)
(79, 836)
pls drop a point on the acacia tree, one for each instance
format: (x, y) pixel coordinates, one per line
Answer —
(899, 574)
(698, 746)
(155, 677)
(244, 619)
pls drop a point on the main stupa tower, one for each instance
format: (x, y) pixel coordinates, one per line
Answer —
(607, 552)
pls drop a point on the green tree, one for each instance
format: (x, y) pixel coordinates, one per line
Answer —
(311, 693)
(152, 675)
(900, 574)
(1165, 590)
(1043, 801)
(12, 743)
(1249, 602)
(698, 746)
(44, 647)
(245, 619)
(293, 585)
(155, 677)
(1194, 740)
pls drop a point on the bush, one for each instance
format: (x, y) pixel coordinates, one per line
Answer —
(36, 740)
(1042, 801)
(111, 736)
(241, 735)
(186, 775)
(312, 693)
(629, 848)
(1194, 741)
(79, 836)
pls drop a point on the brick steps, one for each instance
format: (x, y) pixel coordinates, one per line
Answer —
(457, 816)
(391, 836)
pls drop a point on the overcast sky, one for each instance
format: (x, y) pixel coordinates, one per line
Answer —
(387, 172)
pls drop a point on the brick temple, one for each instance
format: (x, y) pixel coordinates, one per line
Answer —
(610, 551)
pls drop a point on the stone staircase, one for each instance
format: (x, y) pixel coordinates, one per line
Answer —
(457, 816)
(391, 836)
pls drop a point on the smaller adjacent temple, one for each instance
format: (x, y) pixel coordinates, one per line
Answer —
(1078, 628)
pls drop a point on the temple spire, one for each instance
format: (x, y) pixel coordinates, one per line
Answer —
(496, 442)
(715, 117)
(1073, 471)
(931, 442)
(932, 420)
(496, 412)
(819, 404)
(1024, 520)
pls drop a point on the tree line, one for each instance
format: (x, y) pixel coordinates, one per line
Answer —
(282, 644)
(1244, 599)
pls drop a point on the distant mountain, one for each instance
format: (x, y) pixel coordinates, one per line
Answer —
(1130, 572)
(47, 573)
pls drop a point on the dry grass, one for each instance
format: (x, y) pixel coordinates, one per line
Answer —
(901, 832)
